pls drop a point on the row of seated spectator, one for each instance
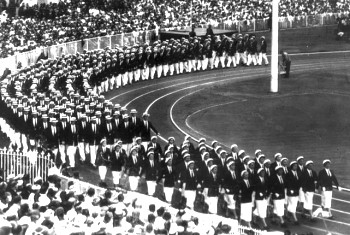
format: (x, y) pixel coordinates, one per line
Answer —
(53, 24)
(44, 207)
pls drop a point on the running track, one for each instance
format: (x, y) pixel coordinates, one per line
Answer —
(159, 97)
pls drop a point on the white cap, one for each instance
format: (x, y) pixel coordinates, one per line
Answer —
(260, 169)
(260, 156)
(230, 163)
(154, 137)
(202, 139)
(309, 162)
(278, 155)
(149, 153)
(300, 157)
(171, 138)
(167, 159)
(251, 161)
(190, 162)
(257, 151)
(242, 173)
(292, 162)
(246, 157)
(212, 167)
(325, 161)
(241, 152)
(267, 161)
(133, 111)
(284, 159)
(234, 146)
(213, 142)
(186, 155)
(278, 167)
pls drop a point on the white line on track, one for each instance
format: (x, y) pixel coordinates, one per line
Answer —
(322, 230)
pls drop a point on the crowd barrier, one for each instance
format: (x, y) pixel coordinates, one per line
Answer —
(207, 219)
(89, 44)
(15, 163)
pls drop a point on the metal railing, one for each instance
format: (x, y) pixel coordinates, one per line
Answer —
(15, 163)
(89, 44)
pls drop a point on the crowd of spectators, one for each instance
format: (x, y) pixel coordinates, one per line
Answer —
(46, 207)
(66, 21)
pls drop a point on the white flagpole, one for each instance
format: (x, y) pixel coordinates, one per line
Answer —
(274, 48)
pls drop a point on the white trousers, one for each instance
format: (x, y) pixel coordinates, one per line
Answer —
(309, 198)
(211, 62)
(168, 193)
(153, 71)
(212, 204)
(165, 70)
(190, 196)
(246, 211)
(151, 187)
(116, 177)
(137, 74)
(278, 207)
(93, 149)
(134, 182)
(231, 203)
(231, 59)
(205, 62)
(102, 171)
(118, 80)
(111, 83)
(125, 78)
(326, 199)
(62, 149)
(188, 66)
(193, 64)
(159, 70)
(127, 148)
(181, 67)
(251, 59)
(263, 58)
(71, 151)
(171, 69)
(301, 195)
(131, 77)
(177, 67)
(145, 74)
(83, 149)
(261, 208)
(292, 204)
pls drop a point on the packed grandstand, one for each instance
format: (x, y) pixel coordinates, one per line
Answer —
(57, 109)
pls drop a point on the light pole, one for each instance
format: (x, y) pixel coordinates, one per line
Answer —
(274, 48)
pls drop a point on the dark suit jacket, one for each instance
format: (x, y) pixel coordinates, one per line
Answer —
(72, 138)
(169, 178)
(293, 184)
(103, 158)
(126, 134)
(277, 188)
(136, 125)
(151, 173)
(326, 181)
(108, 134)
(63, 131)
(145, 132)
(83, 132)
(94, 138)
(117, 160)
(246, 193)
(191, 182)
(157, 151)
(212, 184)
(132, 168)
(52, 140)
(308, 182)
(261, 188)
(230, 184)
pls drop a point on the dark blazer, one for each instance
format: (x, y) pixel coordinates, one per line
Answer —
(169, 178)
(103, 158)
(116, 127)
(136, 125)
(72, 138)
(151, 173)
(126, 134)
(277, 188)
(191, 182)
(246, 193)
(325, 181)
(117, 160)
(213, 184)
(82, 132)
(63, 131)
(94, 138)
(132, 168)
(109, 134)
(293, 184)
(145, 132)
(261, 188)
(230, 184)
(157, 151)
(308, 182)
(52, 140)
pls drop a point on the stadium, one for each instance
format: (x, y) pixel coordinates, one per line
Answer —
(174, 117)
